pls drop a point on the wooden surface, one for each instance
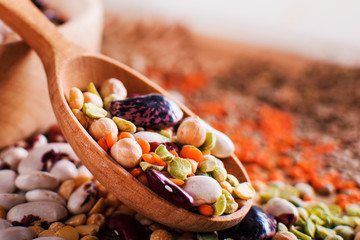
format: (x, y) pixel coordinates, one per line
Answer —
(68, 65)
(24, 97)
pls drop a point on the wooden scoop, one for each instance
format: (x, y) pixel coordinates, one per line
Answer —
(68, 65)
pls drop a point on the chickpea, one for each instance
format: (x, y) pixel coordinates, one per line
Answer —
(113, 86)
(101, 127)
(76, 98)
(93, 98)
(191, 131)
(127, 152)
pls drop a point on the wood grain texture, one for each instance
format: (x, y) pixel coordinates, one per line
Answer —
(24, 107)
(68, 65)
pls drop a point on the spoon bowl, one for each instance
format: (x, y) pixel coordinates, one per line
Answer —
(68, 65)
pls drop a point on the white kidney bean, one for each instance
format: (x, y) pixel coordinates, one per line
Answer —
(224, 147)
(64, 169)
(43, 195)
(4, 224)
(16, 233)
(12, 156)
(151, 137)
(34, 160)
(46, 210)
(204, 189)
(83, 171)
(7, 182)
(8, 200)
(36, 180)
(82, 199)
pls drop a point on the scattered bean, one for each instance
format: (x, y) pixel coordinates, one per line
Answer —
(16, 233)
(68, 233)
(82, 199)
(66, 188)
(283, 211)
(7, 183)
(44, 211)
(4, 224)
(9, 200)
(76, 220)
(12, 156)
(43, 195)
(85, 230)
(36, 180)
(64, 169)
(56, 226)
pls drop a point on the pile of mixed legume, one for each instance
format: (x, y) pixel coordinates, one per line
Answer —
(177, 158)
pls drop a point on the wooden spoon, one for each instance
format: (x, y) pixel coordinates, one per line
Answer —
(68, 65)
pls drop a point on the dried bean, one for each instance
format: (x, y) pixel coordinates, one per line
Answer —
(127, 152)
(191, 131)
(83, 198)
(44, 211)
(16, 233)
(76, 220)
(43, 157)
(9, 200)
(149, 111)
(161, 234)
(36, 180)
(127, 227)
(47, 233)
(66, 188)
(85, 230)
(283, 211)
(36, 230)
(113, 86)
(204, 190)
(4, 223)
(56, 226)
(68, 233)
(43, 195)
(96, 218)
(98, 207)
(7, 183)
(64, 169)
(12, 156)
(76, 98)
(168, 190)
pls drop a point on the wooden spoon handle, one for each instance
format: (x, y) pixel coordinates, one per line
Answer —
(33, 26)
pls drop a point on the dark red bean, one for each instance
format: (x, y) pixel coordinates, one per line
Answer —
(168, 190)
(126, 227)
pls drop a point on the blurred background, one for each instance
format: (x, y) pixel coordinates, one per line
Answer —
(325, 30)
